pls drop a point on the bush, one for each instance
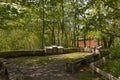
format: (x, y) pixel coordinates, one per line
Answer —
(115, 51)
(113, 67)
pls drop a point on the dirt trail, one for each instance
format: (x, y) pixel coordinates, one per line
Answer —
(53, 70)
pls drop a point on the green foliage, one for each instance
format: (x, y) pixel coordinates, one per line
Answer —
(115, 52)
(10, 15)
(18, 40)
(112, 67)
(36, 24)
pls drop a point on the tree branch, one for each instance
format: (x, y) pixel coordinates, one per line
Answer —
(111, 5)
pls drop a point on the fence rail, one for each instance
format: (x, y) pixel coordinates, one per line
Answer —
(75, 65)
(23, 53)
(100, 72)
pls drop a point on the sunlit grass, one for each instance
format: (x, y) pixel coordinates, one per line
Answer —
(47, 59)
(70, 56)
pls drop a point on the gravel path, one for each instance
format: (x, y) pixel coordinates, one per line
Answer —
(53, 70)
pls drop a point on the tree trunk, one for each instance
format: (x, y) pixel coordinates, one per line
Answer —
(53, 34)
(58, 38)
(84, 39)
(74, 37)
(43, 27)
(66, 38)
(111, 40)
(77, 36)
(104, 42)
(62, 24)
(108, 43)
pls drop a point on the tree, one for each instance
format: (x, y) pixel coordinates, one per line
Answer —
(99, 15)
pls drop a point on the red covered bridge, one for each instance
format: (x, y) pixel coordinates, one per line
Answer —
(87, 43)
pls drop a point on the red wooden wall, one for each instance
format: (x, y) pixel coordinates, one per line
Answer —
(90, 43)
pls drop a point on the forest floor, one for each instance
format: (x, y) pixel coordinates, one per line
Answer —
(47, 68)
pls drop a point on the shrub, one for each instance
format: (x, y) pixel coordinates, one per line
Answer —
(115, 51)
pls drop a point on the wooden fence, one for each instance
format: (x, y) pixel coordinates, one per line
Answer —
(23, 53)
(100, 72)
(77, 64)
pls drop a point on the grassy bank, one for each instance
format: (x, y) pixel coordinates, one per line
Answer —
(46, 59)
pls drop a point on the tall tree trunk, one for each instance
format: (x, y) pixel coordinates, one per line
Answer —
(104, 42)
(74, 37)
(58, 38)
(66, 38)
(108, 42)
(54, 41)
(74, 34)
(43, 26)
(53, 34)
(111, 40)
(62, 23)
(75, 23)
(77, 39)
(84, 39)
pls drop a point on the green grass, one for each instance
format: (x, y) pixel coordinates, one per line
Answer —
(47, 59)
